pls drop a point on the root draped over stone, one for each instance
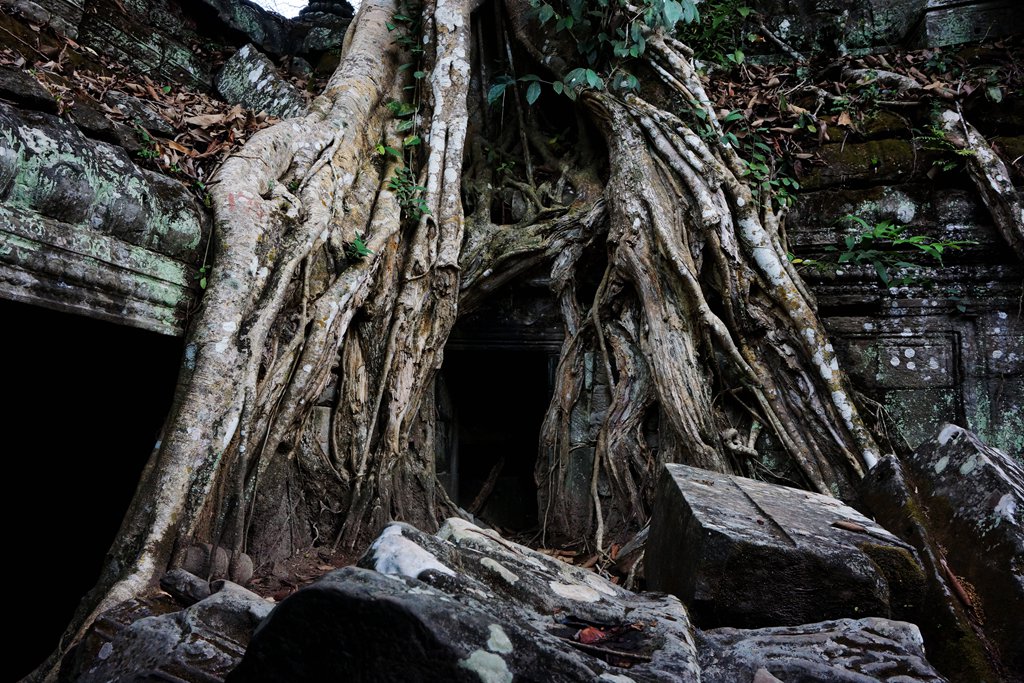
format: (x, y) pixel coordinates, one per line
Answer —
(699, 324)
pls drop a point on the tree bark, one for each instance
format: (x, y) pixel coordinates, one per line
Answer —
(699, 323)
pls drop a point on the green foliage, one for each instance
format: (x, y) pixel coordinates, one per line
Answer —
(204, 272)
(607, 34)
(935, 140)
(408, 193)
(895, 255)
(762, 166)
(719, 32)
(149, 150)
(407, 27)
(357, 249)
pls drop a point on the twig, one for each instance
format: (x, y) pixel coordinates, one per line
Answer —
(606, 651)
(779, 43)
(488, 487)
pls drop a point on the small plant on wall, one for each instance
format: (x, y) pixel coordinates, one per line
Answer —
(897, 257)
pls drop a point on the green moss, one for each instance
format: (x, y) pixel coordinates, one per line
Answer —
(904, 575)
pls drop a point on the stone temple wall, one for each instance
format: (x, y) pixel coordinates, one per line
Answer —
(949, 347)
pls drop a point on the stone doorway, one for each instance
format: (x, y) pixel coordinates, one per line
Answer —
(491, 405)
(84, 403)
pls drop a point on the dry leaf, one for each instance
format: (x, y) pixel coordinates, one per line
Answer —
(590, 635)
(206, 120)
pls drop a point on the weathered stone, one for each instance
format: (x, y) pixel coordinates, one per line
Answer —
(140, 113)
(942, 349)
(47, 166)
(106, 628)
(468, 606)
(200, 643)
(951, 22)
(157, 37)
(845, 650)
(268, 30)
(85, 230)
(744, 553)
(62, 16)
(874, 162)
(975, 506)
(952, 634)
(252, 80)
(184, 586)
(20, 87)
(339, 8)
(325, 37)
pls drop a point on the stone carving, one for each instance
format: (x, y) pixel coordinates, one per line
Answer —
(842, 651)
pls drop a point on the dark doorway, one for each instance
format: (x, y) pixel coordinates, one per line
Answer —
(85, 401)
(496, 400)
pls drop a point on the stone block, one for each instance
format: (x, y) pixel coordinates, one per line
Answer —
(975, 499)
(200, 643)
(744, 553)
(249, 78)
(951, 22)
(467, 605)
(952, 635)
(845, 650)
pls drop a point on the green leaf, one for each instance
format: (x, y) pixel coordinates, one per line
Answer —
(404, 125)
(995, 93)
(546, 13)
(557, 86)
(202, 283)
(167, 89)
(593, 80)
(672, 11)
(883, 274)
(411, 141)
(529, 78)
(496, 92)
(575, 78)
(533, 92)
(418, 74)
(690, 13)
(743, 11)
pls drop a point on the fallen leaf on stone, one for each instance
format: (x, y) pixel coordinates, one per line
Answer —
(590, 635)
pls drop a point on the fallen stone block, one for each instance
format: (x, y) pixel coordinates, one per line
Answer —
(250, 79)
(467, 605)
(142, 640)
(974, 496)
(743, 553)
(841, 651)
(952, 632)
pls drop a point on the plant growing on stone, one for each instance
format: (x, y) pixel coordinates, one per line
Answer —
(889, 249)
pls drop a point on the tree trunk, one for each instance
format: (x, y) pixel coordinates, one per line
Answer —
(699, 324)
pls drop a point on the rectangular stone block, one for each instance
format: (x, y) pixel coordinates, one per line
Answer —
(747, 554)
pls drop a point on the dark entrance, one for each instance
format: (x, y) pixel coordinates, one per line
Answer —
(493, 391)
(85, 401)
(496, 401)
